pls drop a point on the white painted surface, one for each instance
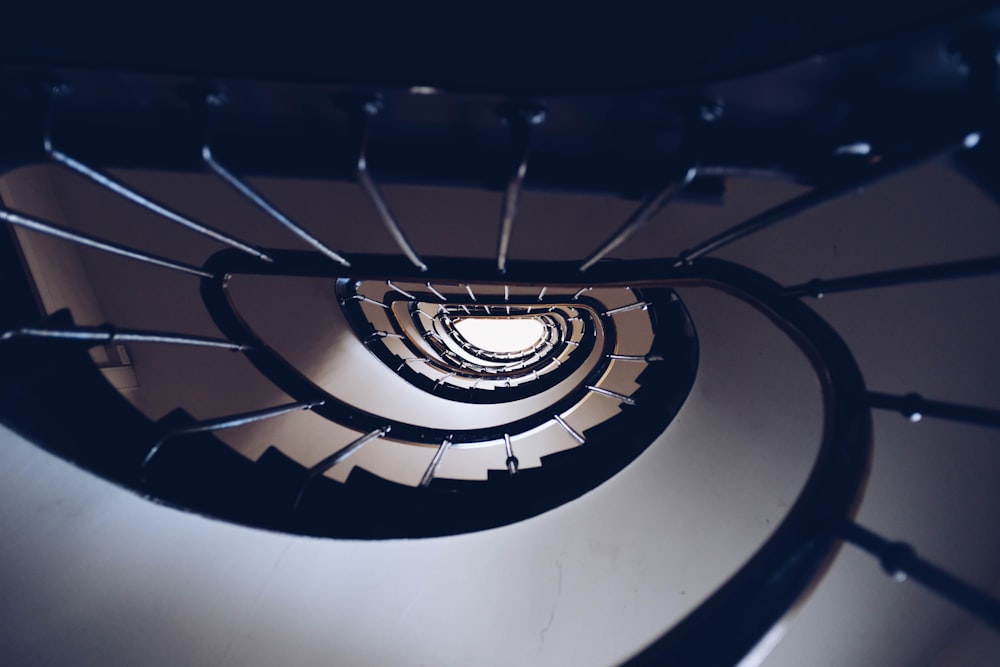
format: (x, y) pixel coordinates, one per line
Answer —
(94, 575)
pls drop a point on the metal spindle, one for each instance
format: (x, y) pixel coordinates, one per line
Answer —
(576, 435)
(636, 357)
(122, 190)
(512, 462)
(50, 229)
(915, 407)
(638, 305)
(627, 400)
(366, 110)
(824, 194)
(360, 297)
(900, 561)
(409, 360)
(541, 294)
(401, 291)
(335, 458)
(520, 117)
(640, 217)
(229, 421)
(435, 463)
(108, 335)
(441, 380)
(579, 292)
(436, 293)
(933, 272)
(244, 189)
(346, 451)
(384, 334)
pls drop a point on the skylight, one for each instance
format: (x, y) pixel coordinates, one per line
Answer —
(501, 334)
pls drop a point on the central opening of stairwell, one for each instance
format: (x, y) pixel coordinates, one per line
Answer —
(501, 334)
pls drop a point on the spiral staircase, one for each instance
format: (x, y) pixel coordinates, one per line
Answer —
(323, 379)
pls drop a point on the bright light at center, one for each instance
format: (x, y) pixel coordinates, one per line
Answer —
(501, 334)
